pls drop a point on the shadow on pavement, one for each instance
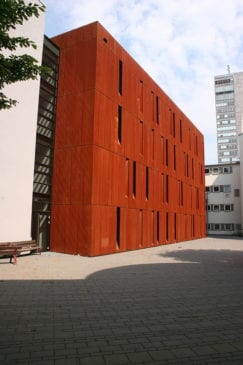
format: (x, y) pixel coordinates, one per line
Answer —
(188, 312)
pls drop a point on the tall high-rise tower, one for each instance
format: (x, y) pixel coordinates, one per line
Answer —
(229, 113)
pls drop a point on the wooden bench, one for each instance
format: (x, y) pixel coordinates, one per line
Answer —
(14, 249)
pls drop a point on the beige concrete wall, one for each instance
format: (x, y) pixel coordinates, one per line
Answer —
(17, 147)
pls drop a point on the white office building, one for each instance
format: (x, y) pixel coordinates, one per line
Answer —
(229, 112)
(223, 199)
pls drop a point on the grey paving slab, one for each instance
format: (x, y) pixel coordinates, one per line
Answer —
(175, 304)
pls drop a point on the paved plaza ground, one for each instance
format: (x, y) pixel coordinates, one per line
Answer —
(174, 304)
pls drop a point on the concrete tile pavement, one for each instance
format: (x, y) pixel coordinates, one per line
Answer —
(175, 304)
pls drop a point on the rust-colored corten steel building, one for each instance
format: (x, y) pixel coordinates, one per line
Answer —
(128, 164)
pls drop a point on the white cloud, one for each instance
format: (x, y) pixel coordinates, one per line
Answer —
(182, 44)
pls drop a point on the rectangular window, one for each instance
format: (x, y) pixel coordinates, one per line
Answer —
(196, 145)
(141, 136)
(162, 189)
(193, 225)
(152, 131)
(120, 77)
(216, 208)
(175, 227)
(119, 127)
(181, 139)
(157, 226)
(182, 192)
(186, 164)
(236, 192)
(147, 182)
(174, 157)
(162, 149)
(173, 124)
(152, 105)
(197, 198)
(118, 226)
(166, 153)
(207, 171)
(127, 176)
(216, 189)
(166, 188)
(167, 226)
(141, 95)
(157, 109)
(141, 227)
(228, 227)
(227, 188)
(134, 179)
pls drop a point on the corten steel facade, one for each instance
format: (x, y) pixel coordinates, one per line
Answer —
(128, 164)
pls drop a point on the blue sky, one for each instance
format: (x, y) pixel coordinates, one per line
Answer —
(182, 44)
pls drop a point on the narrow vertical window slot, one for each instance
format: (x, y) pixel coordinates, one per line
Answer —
(120, 77)
(141, 227)
(196, 145)
(173, 124)
(175, 227)
(182, 193)
(153, 144)
(157, 109)
(152, 104)
(162, 189)
(157, 226)
(162, 149)
(127, 176)
(147, 182)
(166, 153)
(167, 226)
(134, 182)
(141, 136)
(174, 157)
(141, 95)
(118, 223)
(192, 168)
(193, 226)
(166, 188)
(180, 130)
(119, 127)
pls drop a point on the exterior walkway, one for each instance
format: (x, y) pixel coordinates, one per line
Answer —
(175, 304)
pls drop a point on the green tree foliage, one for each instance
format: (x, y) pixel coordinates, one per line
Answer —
(14, 67)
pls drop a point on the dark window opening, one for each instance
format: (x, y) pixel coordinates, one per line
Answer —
(141, 137)
(157, 109)
(134, 182)
(166, 188)
(127, 176)
(167, 226)
(180, 130)
(118, 218)
(166, 153)
(157, 227)
(174, 157)
(152, 104)
(119, 127)
(173, 124)
(141, 95)
(147, 182)
(175, 227)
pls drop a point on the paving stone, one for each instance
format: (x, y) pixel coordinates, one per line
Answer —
(163, 305)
